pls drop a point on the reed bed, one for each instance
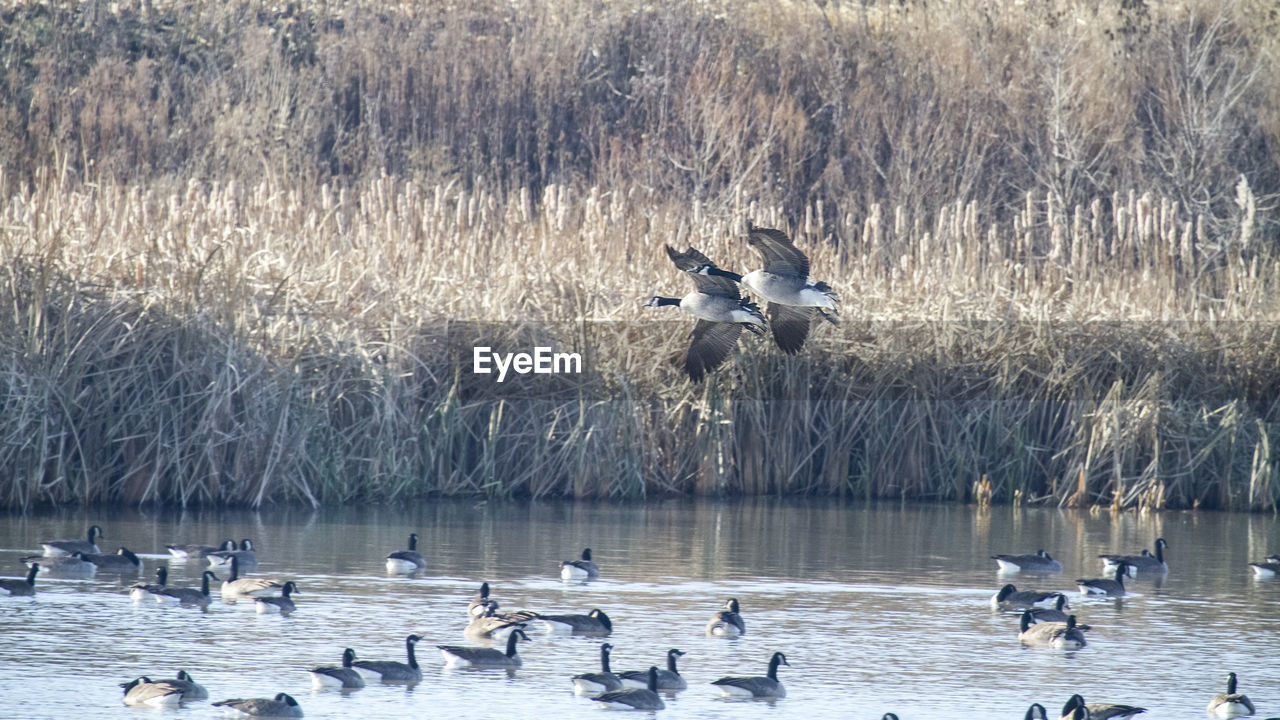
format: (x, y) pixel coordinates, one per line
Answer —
(257, 277)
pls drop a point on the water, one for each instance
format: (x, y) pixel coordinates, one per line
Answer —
(878, 609)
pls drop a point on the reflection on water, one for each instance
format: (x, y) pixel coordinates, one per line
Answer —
(877, 609)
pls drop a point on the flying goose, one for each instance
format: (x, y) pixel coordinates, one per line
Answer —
(481, 605)
(403, 562)
(668, 679)
(238, 587)
(183, 552)
(1097, 711)
(1011, 598)
(1144, 563)
(1062, 635)
(756, 686)
(579, 569)
(337, 676)
(191, 690)
(22, 587)
(458, 655)
(141, 591)
(54, 548)
(1230, 703)
(122, 561)
(727, 622)
(190, 596)
(390, 670)
(1036, 712)
(279, 706)
(143, 692)
(598, 682)
(493, 626)
(245, 556)
(635, 698)
(1103, 586)
(593, 623)
(74, 564)
(1053, 614)
(1267, 568)
(721, 310)
(784, 282)
(1037, 563)
(282, 604)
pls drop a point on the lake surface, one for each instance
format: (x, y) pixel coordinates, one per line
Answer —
(878, 609)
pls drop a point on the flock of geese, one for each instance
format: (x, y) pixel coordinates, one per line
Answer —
(1043, 621)
(723, 313)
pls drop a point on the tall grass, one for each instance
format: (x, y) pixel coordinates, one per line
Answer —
(247, 250)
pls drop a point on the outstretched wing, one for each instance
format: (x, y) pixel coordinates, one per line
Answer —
(690, 260)
(790, 325)
(711, 344)
(780, 255)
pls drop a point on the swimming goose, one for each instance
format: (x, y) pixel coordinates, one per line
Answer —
(756, 686)
(143, 692)
(1230, 703)
(1267, 568)
(1011, 598)
(1053, 614)
(1038, 563)
(122, 561)
(54, 548)
(458, 655)
(669, 679)
(579, 569)
(600, 682)
(279, 706)
(727, 622)
(1103, 586)
(1144, 563)
(1097, 711)
(721, 310)
(390, 670)
(22, 587)
(238, 587)
(191, 690)
(493, 626)
(481, 605)
(141, 591)
(282, 604)
(784, 282)
(635, 698)
(190, 596)
(246, 556)
(73, 565)
(404, 562)
(337, 676)
(1062, 635)
(1036, 712)
(183, 552)
(593, 623)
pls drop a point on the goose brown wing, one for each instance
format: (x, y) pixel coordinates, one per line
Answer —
(711, 344)
(790, 325)
(780, 255)
(691, 260)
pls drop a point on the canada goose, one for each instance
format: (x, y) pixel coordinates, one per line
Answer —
(190, 596)
(481, 605)
(183, 552)
(1144, 563)
(237, 587)
(146, 591)
(755, 687)
(54, 548)
(635, 698)
(1061, 635)
(889, 716)
(579, 569)
(669, 679)
(1011, 598)
(1266, 569)
(22, 587)
(721, 310)
(784, 282)
(279, 706)
(404, 562)
(191, 690)
(1036, 712)
(73, 565)
(1098, 711)
(458, 655)
(1103, 586)
(727, 622)
(1038, 563)
(143, 692)
(246, 556)
(1053, 614)
(593, 623)
(282, 604)
(337, 676)
(1230, 703)
(600, 682)
(493, 626)
(390, 670)
(122, 561)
